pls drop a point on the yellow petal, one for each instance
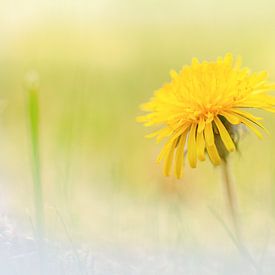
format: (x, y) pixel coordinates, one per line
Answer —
(192, 151)
(250, 124)
(252, 118)
(160, 134)
(200, 146)
(208, 133)
(231, 118)
(252, 127)
(165, 150)
(213, 154)
(179, 159)
(156, 133)
(174, 137)
(228, 59)
(201, 125)
(173, 74)
(165, 133)
(247, 115)
(169, 158)
(195, 62)
(227, 141)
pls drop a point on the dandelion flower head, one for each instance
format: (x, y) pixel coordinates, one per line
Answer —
(200, 110)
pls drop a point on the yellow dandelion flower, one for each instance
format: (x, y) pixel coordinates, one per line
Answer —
(201, 109)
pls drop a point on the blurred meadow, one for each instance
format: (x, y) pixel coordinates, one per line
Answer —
(97, 61)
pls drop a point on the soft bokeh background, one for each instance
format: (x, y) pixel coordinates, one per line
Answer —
(97, 62)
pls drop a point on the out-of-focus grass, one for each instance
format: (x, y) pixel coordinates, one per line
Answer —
(96, 166)
(33, 117)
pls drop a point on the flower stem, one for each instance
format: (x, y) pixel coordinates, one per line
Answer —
(232, 208)
(231, 199)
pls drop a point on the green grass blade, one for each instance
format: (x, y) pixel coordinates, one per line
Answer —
(33, 118)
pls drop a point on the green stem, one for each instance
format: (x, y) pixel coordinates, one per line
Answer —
(232, 208)
(231, 198)
(33, 113)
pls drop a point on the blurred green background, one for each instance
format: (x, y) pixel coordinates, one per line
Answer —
(97, 62)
